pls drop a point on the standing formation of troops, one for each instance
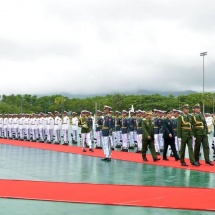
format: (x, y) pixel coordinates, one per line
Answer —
(125, 130)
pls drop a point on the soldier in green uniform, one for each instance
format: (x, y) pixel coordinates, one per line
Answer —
(86, 127)
(185, 134)
(148, 137)
(200, 131)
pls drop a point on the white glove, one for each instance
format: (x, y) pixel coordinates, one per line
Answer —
(193, 138)
(84, 126)
(179, 139)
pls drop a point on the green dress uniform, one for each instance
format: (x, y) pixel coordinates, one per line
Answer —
(200, 131)
(184, 131)
(148, 130)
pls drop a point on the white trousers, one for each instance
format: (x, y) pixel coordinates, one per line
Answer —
(131, 138)
(65, 135)
(57, 135)
(21, 133)
(125, 140)
(75, 135)
(177, 144)
(161, 141)
(106, 146)
(135, 136)
(139, 142)
(156, 143)
(99, 138)
(117, 135)
(88, 139)
(42, 134)
(49, 134)
(112, 140)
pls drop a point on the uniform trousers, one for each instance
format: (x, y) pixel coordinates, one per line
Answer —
(15, 131)
(10, 132)
(204, 140)
(1, 129)
(125, 140)
(75, 135)
(156, 143)
(177, 144)
(112, 139)
(135, 136)
(170, 142)
(57, 135)
(49, 134)
(65, 135)
(139, 142)
(99, 138)
(28, 133)
(186, 141)
(161, 141)
(42, 134)
(117, 135)
(150, 144)
(21, 133)
(5, 132)
(131, 138)
(86, 136)
(106, 146)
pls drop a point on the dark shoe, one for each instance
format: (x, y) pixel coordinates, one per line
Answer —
(165, 159)
(210, 163)
(198, 163)
(145, 159)
(195, 164)
(176, 159)
(104, 159)
(156, 159)
(184, 164)
(125, 150)
(91, 150)
(112, 148)
(158, 153)
(108, 159)
(84, 150)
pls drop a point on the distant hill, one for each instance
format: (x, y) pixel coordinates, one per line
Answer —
(139, 92)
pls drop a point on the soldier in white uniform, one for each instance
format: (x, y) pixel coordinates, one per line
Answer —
(5, 126)
(27, 123)
(65, 128)
(57, 127)
(1, 125)
(41, 127)
(50, 127)
(21, 126)
(10, 126)
(74, 128)
(15, 126)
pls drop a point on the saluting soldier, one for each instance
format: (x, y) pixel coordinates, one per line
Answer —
(169, 136)
(148, 137)
(185, 134)
(200, 131)
(106, 132)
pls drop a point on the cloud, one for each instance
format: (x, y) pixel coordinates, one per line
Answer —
(94, 46)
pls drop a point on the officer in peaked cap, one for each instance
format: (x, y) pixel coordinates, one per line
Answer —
(200, 130)
(148, 137)
(185, 134)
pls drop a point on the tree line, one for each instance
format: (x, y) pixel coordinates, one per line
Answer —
(35, 104)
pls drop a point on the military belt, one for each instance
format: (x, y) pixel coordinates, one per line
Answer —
(105, 127)
(155, 127)
(199, 126)
(124, 127)
(175, 129)
(139, 127)
(186, 128)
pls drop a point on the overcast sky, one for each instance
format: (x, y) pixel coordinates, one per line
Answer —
(102, 46)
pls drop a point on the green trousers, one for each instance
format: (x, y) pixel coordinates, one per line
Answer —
(204, 140)
(145, 144)
(186, 141)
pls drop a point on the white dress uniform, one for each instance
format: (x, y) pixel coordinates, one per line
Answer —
(15, 127)
(75, 128)
(10, 127)
(50, 127)
(65, 129)
(57, 129)
(41, 126)
(1, 125)
(27, 123)
(21, 128)
(5, 127)
(34, 127)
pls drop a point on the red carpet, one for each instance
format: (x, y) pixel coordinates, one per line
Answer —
(118, 155)
(141, 196)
